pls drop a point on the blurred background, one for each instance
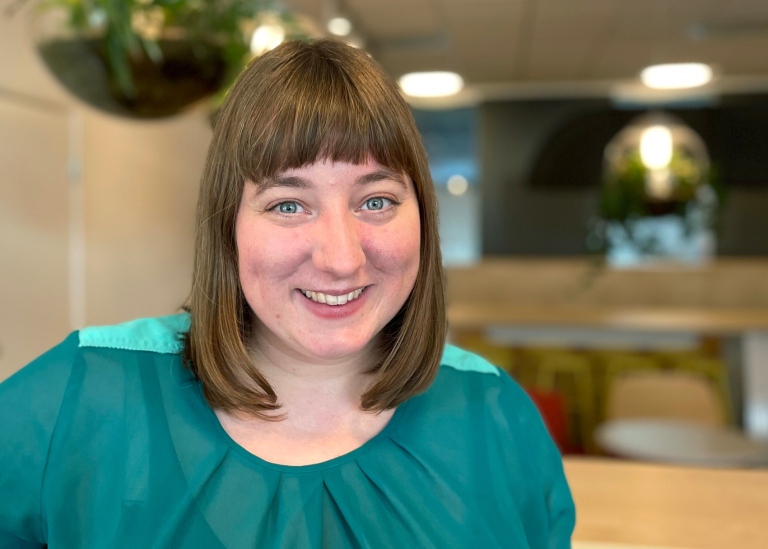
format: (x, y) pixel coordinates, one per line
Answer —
(604, 223)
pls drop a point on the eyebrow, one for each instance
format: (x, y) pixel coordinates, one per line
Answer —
(380, 175)
(296, 182)
(292, 181)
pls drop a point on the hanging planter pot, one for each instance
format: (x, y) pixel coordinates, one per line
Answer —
(143, 59)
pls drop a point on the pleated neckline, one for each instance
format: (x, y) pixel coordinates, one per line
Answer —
(389, 429)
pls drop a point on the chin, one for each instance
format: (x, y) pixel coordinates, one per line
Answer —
(335, 349)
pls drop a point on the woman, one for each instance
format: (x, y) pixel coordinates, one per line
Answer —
(306, 398)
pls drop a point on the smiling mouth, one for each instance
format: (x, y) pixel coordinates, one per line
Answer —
(329, 299)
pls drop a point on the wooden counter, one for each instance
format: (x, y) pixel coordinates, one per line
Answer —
(724, 283)
(710, 321)
(630, 503)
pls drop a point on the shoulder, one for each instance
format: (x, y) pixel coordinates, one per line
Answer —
(98, 359)
(475, 414)
(78, 406)
(468, 392)
(465, 373)
(161, 335)
(126, 361)
(32, 395)
(156, 335)
(461, 360)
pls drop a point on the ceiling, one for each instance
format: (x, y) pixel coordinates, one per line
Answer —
(538, 48)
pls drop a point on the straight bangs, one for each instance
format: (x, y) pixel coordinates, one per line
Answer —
(319, 109)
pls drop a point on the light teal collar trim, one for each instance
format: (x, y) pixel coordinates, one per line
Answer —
(459, 359)
(155, 335)
(161, 335)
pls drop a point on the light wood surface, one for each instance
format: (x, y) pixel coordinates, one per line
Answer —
(738, 283)
(631, 503)
(714, 321)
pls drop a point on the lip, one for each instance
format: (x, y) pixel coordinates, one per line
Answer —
(335, 311)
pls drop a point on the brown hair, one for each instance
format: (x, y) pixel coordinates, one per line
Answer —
(300, 103)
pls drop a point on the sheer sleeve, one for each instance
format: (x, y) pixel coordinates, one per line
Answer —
(30, 401)
(562, 513)
(546, 472)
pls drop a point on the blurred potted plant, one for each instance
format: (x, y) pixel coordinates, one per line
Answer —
(660, 199)
(145, 58)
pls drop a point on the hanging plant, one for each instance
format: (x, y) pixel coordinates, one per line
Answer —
(145, 58)
(646, 202)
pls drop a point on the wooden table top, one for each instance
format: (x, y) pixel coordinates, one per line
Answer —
(705, 320)
(622, 502)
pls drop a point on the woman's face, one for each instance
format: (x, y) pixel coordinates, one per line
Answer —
(328, 254)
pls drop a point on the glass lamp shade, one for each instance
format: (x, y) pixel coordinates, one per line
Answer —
(657, 200)
(659, 161)
(144, 62)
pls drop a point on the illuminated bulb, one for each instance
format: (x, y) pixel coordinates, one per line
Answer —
(457, 185)
(266, 37)
(656, 147)
(674, 76)
(431, 84)
(340, 26)
(658, 184)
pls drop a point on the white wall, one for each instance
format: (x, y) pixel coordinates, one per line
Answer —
(34, 224)
(460, 238)
(96, 213)
(141, 183)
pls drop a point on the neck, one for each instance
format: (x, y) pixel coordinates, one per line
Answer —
(308, 385)
(320, 408)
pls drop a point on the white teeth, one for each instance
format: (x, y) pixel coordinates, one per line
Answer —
(329, 299)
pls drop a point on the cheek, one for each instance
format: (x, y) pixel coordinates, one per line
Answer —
(396, 250)
(263, 255)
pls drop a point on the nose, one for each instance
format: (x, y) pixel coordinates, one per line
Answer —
(338, 247)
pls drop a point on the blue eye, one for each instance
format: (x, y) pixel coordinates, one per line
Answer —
(376, 203)
(289, 207)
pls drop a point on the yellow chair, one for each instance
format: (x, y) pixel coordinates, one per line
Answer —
(712, 368)
(672, 416)
(610, 363)
(653, 394)
(570, 374)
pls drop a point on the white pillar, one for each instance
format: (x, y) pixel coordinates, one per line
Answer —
(754, 346)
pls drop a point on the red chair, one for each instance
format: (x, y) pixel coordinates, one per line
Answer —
(552, 410)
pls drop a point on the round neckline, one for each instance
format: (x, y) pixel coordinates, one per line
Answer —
(385, 433)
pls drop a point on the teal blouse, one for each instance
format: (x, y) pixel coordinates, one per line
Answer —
(106, 441)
